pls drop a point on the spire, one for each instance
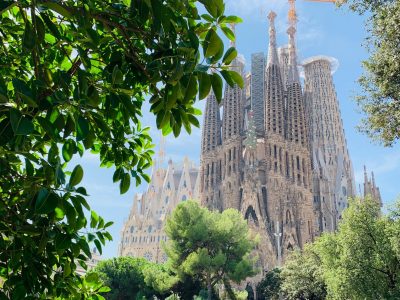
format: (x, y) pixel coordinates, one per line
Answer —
(274, 90)
(232, 113)
(373, 180)
(211, 137)
(365, 175)
(293, 75)
(272, 52)
(295, 114)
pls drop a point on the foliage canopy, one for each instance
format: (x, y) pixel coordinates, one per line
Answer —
(210, 245)
(73, 78)
(380, 83)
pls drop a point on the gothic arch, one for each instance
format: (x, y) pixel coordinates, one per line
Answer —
(250, 212)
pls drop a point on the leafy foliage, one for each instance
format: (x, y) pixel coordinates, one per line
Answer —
(73, 78)
(210, 245)
(381, 81)
(269, 287)
(125, 276)
(361, 261)
(302, 276)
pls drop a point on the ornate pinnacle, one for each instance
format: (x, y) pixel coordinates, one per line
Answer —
(272, 53)
(271, 16)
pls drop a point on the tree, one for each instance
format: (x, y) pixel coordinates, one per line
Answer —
(361, 261)
(211, 245)
(73, 78)
(127, 278)
(381, 82)
(269, 287)
(302, 275)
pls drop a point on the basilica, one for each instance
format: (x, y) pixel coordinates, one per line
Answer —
(276, 151)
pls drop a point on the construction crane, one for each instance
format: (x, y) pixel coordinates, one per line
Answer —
(333, 1)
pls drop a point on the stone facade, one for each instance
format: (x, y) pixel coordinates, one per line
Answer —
(370, 188)
(333, 179)
(143, 231)
(259, 157)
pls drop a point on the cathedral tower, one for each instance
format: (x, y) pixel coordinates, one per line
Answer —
(333, 179)
(211, 168)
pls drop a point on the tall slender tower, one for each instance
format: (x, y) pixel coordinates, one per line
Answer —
(232, 129)
(258, 90)
(210, 167)
(274, 105)
(333, 179)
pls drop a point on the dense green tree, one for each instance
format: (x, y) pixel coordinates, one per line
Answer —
(302, 276)
(132, 278)
(211, 245)
(73, 78)
(269, 286)
(361, 260)
(381, 81)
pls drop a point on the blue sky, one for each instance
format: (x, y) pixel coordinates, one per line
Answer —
(322, 30)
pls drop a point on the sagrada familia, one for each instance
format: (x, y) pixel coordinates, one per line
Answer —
(275, 150)
(279, 153)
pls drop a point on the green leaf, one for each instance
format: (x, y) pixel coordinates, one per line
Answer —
(28, 40)
(67, 269)
(212, 43)
(237, 78)
(82, 128)
(58, 9)
(76, 176)
(193, 120)
(21, 125)
(94, 219)
(59, 212)
(117, 76)
(204, 85)
(68, 150)
(228, 77)
(232, 19)
(29, 167)
(214, 7)
(230, 55)
(24, 91)
(81, 190)
(217, 85)
(46, 201)
(40, 29)
(125, 183)
(98, 246)
(228, 33)
(92, 277)
(108, 224)
(119, 172)
(208, 18)
(191, 89)
(50, 25)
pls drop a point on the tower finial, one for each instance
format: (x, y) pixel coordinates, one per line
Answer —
(293, 71)
(272, 52)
